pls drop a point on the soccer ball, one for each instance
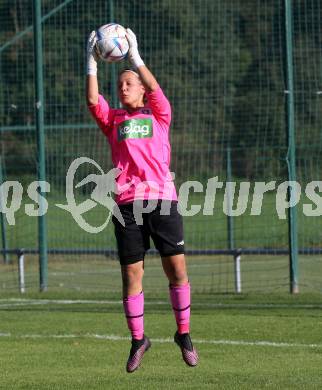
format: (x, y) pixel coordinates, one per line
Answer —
(111, 45)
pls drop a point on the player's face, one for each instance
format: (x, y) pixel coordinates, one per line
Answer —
(130, 90)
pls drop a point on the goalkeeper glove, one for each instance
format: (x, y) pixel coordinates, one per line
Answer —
(133, 55)
(91, 54)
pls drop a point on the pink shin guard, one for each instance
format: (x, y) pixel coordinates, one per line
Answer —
(180, 300)
(134, 311)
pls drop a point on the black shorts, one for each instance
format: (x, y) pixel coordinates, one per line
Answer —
(133, 239)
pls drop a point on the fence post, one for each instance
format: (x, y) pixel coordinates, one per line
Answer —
(2, 221)
(230, 220)
(21, 271)
(237, 258)
(39, 85)
(290, 157)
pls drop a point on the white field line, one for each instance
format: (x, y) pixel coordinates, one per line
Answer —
(162, 340)
(12, 302)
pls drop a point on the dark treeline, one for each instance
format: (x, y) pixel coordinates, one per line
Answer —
(221, 63)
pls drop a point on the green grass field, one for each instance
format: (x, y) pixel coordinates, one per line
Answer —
(75, 335)
(51, 341)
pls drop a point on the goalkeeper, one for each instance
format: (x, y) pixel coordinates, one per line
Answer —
(138, 135)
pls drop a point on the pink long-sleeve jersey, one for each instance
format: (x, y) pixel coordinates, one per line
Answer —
(140, 147)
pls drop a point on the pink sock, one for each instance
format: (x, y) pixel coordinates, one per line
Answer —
(180, 300)
(134, 311)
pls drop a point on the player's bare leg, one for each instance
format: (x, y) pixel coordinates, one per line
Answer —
(132, 276)
(133, 302)
(179, 288)
(175, 269)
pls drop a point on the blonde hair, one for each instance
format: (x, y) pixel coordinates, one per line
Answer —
(129, 70)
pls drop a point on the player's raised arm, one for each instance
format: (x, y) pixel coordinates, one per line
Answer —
(97, 105)
(146, 76)
(91, 79)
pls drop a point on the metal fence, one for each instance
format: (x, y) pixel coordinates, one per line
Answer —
(244, 79)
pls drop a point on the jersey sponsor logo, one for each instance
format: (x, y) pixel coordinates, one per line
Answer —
(135, 128)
